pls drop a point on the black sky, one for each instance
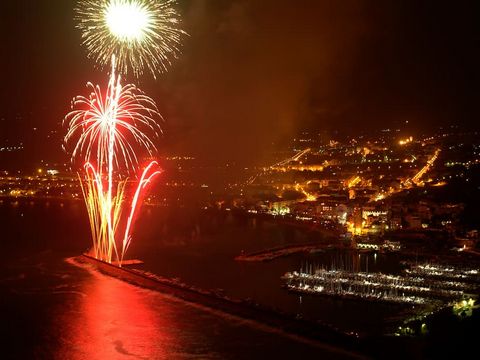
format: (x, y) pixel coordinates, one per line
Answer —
(256, 71)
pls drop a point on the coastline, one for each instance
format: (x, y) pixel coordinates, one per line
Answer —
(320, 335)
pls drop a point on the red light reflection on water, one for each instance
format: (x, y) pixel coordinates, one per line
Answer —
(116, 319)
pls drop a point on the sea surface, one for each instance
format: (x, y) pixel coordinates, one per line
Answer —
(52, 308)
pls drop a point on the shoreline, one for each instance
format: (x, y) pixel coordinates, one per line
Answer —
(304, 330)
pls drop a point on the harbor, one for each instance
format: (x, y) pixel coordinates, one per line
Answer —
(417, 285)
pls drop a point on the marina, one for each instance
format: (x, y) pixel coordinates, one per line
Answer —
(418, 285)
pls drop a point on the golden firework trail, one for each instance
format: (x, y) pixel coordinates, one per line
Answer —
(144, 35)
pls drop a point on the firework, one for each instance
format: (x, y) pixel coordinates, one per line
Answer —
(105, 211)
(142, 34)
(107, 131)
(110, 128)
(146, 179)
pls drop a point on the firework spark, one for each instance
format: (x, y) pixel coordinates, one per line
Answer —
(146, 179)
(142, 34)
(105, 211)
(107, 131)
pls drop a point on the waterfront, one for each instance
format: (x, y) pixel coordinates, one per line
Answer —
(53, 309)
(78, 313)
(203, 254)
(197, 248)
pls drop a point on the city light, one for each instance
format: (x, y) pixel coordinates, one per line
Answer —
(405, 141)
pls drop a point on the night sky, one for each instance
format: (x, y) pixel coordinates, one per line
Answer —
(254, 72)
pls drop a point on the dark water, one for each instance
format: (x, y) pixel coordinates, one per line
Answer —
(199, 248)
(51, 308)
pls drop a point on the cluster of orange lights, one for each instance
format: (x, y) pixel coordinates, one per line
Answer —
(405, 141)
